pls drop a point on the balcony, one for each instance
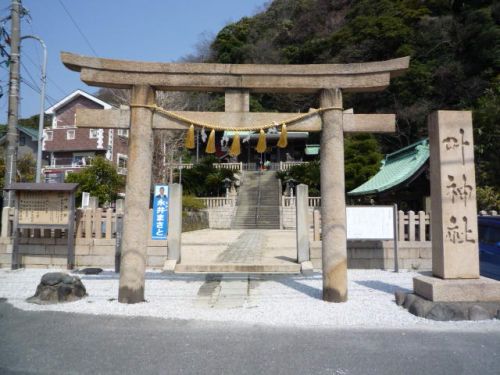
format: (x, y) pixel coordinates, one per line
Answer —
(74, 164)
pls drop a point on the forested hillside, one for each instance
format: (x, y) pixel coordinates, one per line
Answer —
(454, 48)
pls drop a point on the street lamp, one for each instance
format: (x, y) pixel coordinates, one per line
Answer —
(290, 185)
(227, 184)
(42, 105)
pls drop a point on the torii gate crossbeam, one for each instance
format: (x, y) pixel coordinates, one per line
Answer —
(237, 81)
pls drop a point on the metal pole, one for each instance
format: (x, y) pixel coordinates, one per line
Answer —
(396, 237)
(180, 170)
(42, 105)
(13, 111)
(197, 145)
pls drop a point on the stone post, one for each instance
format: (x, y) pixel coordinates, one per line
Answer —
(120, 205)
(302, 225)
(316, 224)
(455, 253)
(135, 225)
(174, 222)
(333, 210)
(93, 203)
(236, 100)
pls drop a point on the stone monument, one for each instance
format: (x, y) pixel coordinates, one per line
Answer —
(455, 251)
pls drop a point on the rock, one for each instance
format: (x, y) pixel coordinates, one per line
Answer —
(400, 297)
(477, 312)
(57, 287)
(53, 278)
(447, 311)
(420, 307)
(409, 299)
(90, 271)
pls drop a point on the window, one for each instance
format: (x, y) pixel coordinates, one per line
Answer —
(70, 134)
(94, 133)
(22, 140)
(122, 161)
(49, 135)
(123, 133)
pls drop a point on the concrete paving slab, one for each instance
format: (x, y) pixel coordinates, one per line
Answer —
(247, 251)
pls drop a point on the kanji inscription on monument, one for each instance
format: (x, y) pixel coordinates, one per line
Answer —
(453, 196)
(43, 207)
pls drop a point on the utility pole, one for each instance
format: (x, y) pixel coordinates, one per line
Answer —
(13, 111)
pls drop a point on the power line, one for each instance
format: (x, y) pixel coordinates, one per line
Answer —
(30, 59)
(37, 90)
(78, 28)
(30, 76)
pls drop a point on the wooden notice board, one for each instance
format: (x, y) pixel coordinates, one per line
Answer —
(44, 206)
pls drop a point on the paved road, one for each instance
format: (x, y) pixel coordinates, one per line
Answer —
(59, 343)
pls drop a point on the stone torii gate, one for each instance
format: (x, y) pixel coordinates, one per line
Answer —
(237, 81)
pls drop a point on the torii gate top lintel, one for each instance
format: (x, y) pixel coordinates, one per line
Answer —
(356, 77)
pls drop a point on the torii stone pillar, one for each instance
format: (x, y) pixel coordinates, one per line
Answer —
(333, 210)
(133, 260)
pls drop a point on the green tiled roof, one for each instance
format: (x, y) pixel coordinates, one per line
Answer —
(396, 168)
(33, 133)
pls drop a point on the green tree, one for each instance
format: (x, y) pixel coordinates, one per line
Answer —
(100, 179)
(204, 180)
(26, 168)
(362, 161)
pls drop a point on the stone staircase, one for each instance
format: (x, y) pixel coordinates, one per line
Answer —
(258, 202)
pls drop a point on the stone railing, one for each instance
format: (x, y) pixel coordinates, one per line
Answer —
(414, 226)
(231, 166)
(290, 201)
(488, 213)
(286, 165)
(212, 202)
(89, 224)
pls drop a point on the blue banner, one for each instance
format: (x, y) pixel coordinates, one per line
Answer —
(159, 229)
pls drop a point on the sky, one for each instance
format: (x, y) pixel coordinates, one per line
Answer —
(148, 30)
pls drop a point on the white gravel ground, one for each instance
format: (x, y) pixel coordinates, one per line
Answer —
(284, 301)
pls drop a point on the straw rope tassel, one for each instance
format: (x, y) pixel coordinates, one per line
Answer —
(235, 149)
(211, 143)
(261, 144)
(283, 141)
(190, 137)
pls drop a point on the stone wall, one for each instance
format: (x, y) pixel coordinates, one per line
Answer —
(221, 217)
(51, 252)
(194, 220)
(288, 217)
(412, 255)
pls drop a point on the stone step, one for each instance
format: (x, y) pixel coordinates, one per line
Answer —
(237, 268)
(253, 225)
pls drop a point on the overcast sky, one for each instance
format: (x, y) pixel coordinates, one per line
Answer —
(149, 30)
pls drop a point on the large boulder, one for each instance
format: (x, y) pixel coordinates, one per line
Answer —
(57, 287)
